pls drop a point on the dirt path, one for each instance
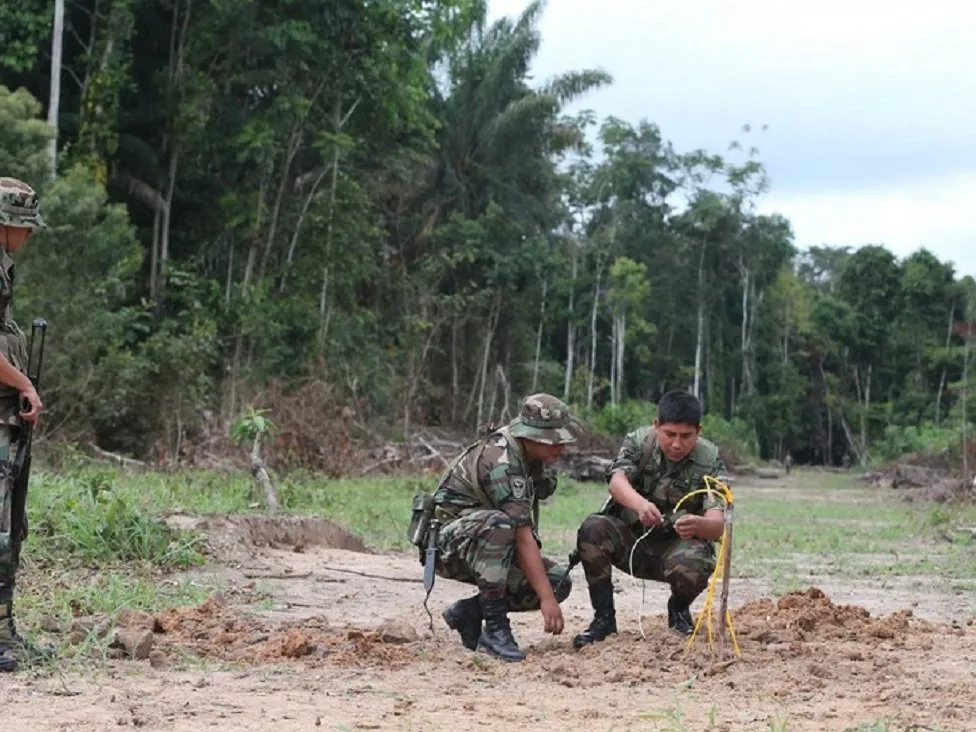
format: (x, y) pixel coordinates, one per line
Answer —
(312, 655)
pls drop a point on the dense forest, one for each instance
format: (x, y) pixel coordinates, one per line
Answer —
(370, 206)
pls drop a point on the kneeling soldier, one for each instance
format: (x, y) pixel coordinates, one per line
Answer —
(487, 508)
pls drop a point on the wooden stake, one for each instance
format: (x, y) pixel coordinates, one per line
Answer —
(726, 568)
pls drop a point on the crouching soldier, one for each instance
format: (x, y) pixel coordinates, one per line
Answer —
(487, 509)
(656, 467)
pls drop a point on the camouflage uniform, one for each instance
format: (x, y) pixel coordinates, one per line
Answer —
(490, 491)
(606, 538)
(18, 209)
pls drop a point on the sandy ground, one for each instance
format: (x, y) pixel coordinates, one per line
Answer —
(304, 640)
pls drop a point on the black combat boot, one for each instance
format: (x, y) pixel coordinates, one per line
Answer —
(679, 615)
(497, 637)
(8, 633)
(464, 616)
(605, 618)
(14, 648)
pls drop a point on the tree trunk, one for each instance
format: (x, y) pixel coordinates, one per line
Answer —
(613, 361)
(252, 254)
(699, 340)
(744, 328)
(829, 457)
(455, 380)
(230, 272)
(505, 414)
(479, 385)
(174, 162)
(54, 97)
(293, 244)
(858, 455)
(965, 390)
(294, 143)
(538, 336)
(489, 336)
(177, 50)
(619, 354)
(325, 312)
(339, 121)
(942, 378)
(593, 314)
(571, 328)
(416, 367)
(154, 255)
(864, 414)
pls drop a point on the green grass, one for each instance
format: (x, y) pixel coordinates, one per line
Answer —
(98, 541)
(828, 521)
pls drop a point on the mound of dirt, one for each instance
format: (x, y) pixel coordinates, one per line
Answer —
(924, 481)
(227, 535)
(811, 616)
(791, 647)
(215, 630)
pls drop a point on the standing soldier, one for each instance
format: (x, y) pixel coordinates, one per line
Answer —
(638, 530)
(19, 218)
(487, 507)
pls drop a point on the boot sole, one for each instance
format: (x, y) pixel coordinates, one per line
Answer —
(591, 641)
(509, 659)
(455, 626)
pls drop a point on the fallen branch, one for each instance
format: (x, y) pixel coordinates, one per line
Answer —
(374, 466)
(277, 575)
(433, 452)
(120, 459)
(374, 576)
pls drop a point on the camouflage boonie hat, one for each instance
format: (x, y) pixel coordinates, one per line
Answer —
(543, 418)
(18, 205)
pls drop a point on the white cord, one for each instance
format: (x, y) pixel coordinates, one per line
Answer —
(640, 611)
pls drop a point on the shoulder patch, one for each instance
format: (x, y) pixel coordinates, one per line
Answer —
(520, 487)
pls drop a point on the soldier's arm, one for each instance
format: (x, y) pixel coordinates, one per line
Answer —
(513, 494)
(529, 560)
(711, 524)
(11, 376)
(622, 474)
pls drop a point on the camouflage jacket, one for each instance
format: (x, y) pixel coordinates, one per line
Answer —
(494, 473)
(13, 342)
(662, 482)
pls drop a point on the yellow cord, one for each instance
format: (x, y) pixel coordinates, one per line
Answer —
(714, 485)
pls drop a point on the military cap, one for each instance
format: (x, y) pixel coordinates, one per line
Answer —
(18, 205)
(543, 418)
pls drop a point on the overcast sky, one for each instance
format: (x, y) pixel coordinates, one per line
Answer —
(870, 105)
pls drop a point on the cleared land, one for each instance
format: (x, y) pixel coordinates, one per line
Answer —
(854, 610)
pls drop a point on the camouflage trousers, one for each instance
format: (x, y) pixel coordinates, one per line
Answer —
(7, 556)
(479, 549)
(605, 542)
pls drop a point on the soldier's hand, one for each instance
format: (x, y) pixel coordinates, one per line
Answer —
(34, 405)
(553, 616)
(687, 526)
(648, 514)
